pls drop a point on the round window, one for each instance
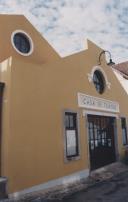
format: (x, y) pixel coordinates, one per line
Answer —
(22, 43)
(99, 81)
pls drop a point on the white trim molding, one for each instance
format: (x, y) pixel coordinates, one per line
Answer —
(66, 180)
(91, 102)
(29, 39)
(86, 112)
(90, 75)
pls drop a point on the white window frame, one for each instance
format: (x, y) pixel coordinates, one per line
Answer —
(29, 39)
(100, 69)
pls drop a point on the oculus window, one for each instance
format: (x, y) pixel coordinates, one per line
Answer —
(71, 135)
(22, 42)
(99, 81)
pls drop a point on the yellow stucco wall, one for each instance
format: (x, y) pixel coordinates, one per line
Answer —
(38, 88)
(39, 94)
(5, 77)
(42, 53)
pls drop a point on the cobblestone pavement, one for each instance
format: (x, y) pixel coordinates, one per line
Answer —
(107, 184)
(112, 190)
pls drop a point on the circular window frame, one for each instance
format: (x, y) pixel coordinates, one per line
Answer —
(101, 82)
(99, 68)
(28, 38)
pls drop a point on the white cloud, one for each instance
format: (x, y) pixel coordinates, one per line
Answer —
(67, 23)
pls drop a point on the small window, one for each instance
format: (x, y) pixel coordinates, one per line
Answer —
(124, 130)
(71, 135)
(22, 42)
(99, 81)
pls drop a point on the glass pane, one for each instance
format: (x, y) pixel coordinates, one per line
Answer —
(124, 134)
(98, 81)
(103, 136)
(21, 42)
(92, 145)
(96, 143)
(99, 142)
(71, 121)
(67, 121)
(109, 143)
(71, 142)
(90, 124)
(105, 142)
(102, 142)
(91, 134)
(124, 131)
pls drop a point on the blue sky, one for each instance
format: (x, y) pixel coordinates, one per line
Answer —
(66, 24)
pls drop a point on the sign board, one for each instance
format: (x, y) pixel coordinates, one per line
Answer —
(71, 142)
(90, 102)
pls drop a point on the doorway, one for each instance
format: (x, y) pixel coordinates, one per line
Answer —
(101, 130)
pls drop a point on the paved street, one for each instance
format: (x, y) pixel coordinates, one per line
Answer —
(114, 190)
(108, 185)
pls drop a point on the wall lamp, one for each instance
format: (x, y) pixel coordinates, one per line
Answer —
(110, 60)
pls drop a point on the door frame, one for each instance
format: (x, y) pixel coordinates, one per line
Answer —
(116, 116)
(2, 85)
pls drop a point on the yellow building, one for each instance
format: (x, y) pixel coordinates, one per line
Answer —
(61, 118)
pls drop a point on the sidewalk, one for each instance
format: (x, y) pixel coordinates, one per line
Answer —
(58, 193)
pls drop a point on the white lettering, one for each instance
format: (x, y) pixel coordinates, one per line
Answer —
(91, 102)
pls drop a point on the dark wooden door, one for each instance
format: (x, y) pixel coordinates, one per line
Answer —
(101, 140)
